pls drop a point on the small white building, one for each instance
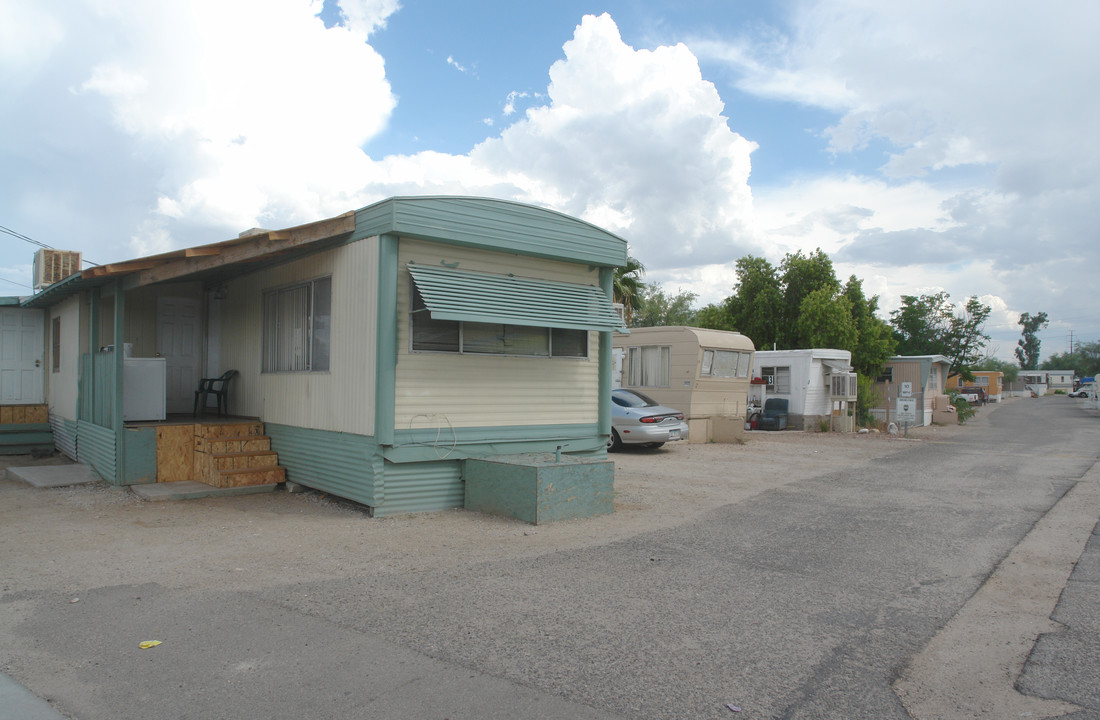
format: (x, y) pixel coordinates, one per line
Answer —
(819, 384)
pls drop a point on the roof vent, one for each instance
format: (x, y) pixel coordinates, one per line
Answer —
(51, 266)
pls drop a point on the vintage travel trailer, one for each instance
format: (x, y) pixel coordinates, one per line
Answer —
(703, 373)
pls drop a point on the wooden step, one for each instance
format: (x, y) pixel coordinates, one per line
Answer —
(212, 431)
(249, 476)
(252, 443)
(241, 460)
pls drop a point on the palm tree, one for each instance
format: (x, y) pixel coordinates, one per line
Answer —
(628, 287)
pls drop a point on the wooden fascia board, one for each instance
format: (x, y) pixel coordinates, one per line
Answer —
(255, 248)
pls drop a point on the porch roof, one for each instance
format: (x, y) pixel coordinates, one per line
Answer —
(253, 250)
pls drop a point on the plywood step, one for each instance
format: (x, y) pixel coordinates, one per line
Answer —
(248, 476)
(251, 443)
(242, 460)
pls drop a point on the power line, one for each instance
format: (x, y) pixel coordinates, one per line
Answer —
(13, 282)
(23, 237)
(32, 241)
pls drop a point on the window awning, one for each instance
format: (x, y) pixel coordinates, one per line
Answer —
(837, 366)
(470, 296)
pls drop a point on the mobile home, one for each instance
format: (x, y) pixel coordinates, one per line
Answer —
(378, 351)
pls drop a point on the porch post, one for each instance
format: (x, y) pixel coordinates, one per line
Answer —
(604, 415)
(117, 357)
(385, 363)
(93, 341)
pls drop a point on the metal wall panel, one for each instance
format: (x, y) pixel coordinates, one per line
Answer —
(62, 386)
(441, 390)
(341, 399)
(96, 447)
(343, 464)
(64, 435)
(421, 487)
(494, 225)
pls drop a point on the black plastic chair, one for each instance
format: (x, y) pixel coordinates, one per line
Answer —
(775, 414)
(219, 388)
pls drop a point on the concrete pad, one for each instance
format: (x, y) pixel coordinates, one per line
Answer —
(190, 490)
(971, 667)
(20, 703)
(49, 476)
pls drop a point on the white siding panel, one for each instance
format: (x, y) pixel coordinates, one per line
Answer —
(342, 399)
(449, 389)
(61, 393)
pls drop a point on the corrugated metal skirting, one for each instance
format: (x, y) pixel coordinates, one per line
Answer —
(64, 435)
(421, 487)
(344, 464)
(95, 446)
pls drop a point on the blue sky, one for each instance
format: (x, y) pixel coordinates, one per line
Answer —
(924, 147)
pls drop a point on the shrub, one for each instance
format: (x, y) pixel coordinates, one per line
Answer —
(962, 407)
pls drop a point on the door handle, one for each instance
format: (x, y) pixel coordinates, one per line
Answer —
(38, 363)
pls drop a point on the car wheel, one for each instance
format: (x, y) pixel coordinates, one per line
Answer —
(614, 442)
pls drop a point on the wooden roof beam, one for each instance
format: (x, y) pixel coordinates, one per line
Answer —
(254, 248)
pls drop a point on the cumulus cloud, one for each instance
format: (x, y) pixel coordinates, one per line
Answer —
(637, 141)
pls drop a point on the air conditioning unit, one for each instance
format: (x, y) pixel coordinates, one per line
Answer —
(51, 266)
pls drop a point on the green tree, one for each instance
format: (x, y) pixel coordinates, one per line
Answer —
(801, 304)
(825, 320)
(930, 325)
(875, 343)
(755, 308)
(658, 308)
(1084, 360)
(801, 276)
(627, 287)
(1027, 350)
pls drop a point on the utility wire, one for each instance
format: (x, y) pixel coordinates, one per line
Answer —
(32, 241)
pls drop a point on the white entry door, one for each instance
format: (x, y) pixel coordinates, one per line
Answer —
(22, 348)
(179, 341)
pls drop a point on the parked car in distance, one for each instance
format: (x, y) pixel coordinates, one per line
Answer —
(973, 395)
(637, 419)
(1079, 393)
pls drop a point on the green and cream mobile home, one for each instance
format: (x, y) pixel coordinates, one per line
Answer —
(379, 351)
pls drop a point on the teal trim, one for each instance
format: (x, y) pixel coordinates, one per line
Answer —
(421, 487)
(140, 457)
(117, 370)
(428, 444)
(88, 382)
(606, 371)
(385, 362)
(344, 464)
(492, 224)
(471, 296)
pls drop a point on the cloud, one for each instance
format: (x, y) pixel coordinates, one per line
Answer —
(242, 130)
(636, 140)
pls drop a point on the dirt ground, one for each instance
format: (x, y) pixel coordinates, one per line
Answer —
(247, 542)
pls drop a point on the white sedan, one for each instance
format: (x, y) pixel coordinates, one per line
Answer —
(640, 420)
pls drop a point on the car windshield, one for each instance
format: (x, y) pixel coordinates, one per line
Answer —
(632, 399)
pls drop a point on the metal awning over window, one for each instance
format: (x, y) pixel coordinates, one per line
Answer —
(470, 296)
(837, 366)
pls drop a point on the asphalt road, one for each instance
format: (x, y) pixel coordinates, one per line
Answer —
(807, 601)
